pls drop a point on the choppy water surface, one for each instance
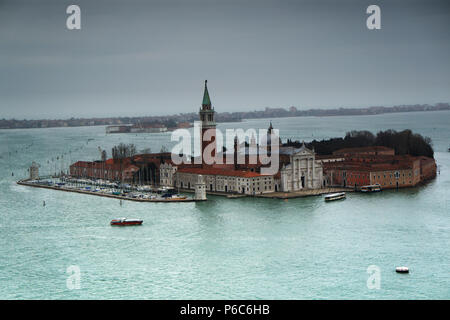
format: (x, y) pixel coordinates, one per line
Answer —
(231, 249)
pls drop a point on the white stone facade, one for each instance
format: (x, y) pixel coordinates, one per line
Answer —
(303, 172)
(227, 184)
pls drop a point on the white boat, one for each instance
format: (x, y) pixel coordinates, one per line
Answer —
(402, 270)
(178, 197)
(335, 196)
(371, 188)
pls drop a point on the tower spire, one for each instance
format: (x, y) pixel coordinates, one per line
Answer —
(206, 100)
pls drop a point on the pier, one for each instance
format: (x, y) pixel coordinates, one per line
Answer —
(303, 193)
(28, 183)
(278, 195)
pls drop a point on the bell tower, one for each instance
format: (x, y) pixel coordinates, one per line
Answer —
(269, 139)
(208, 123)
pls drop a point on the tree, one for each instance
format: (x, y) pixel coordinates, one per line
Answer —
(123, 151)
(359, 138)
(403, 142)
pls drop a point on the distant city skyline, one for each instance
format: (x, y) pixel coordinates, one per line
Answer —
(184, 120)
(150, 58)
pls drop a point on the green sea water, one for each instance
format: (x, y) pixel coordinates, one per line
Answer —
(224, 248)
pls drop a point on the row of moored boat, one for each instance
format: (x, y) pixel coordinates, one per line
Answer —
(342, 195)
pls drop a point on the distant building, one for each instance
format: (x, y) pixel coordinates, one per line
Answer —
(184, 125)
(137, 128)
(148, 128)
(118, 129)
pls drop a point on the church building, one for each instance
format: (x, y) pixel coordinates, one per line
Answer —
(302, 172)
(299, 168)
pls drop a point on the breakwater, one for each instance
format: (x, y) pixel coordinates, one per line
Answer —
(100, 194)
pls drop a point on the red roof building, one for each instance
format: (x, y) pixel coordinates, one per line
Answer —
(225, 181)
(388, 171)
(371, 150)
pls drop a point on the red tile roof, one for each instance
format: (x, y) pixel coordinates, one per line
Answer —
(394, 163)
(221, 172)
(363, 149)
(98, 165)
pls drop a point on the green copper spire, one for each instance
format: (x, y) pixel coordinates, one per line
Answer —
(206, 99)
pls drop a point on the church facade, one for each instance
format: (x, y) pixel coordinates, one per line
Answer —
(302, 172)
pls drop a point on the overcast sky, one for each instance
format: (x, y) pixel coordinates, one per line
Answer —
(152, 57)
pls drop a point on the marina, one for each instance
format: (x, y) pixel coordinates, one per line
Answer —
(128, 193)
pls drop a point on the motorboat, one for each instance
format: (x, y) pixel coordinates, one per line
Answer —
(335, 196)
(166, 190)
(402, 269)
(126, 222)
(178, 197)
(371, 188)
